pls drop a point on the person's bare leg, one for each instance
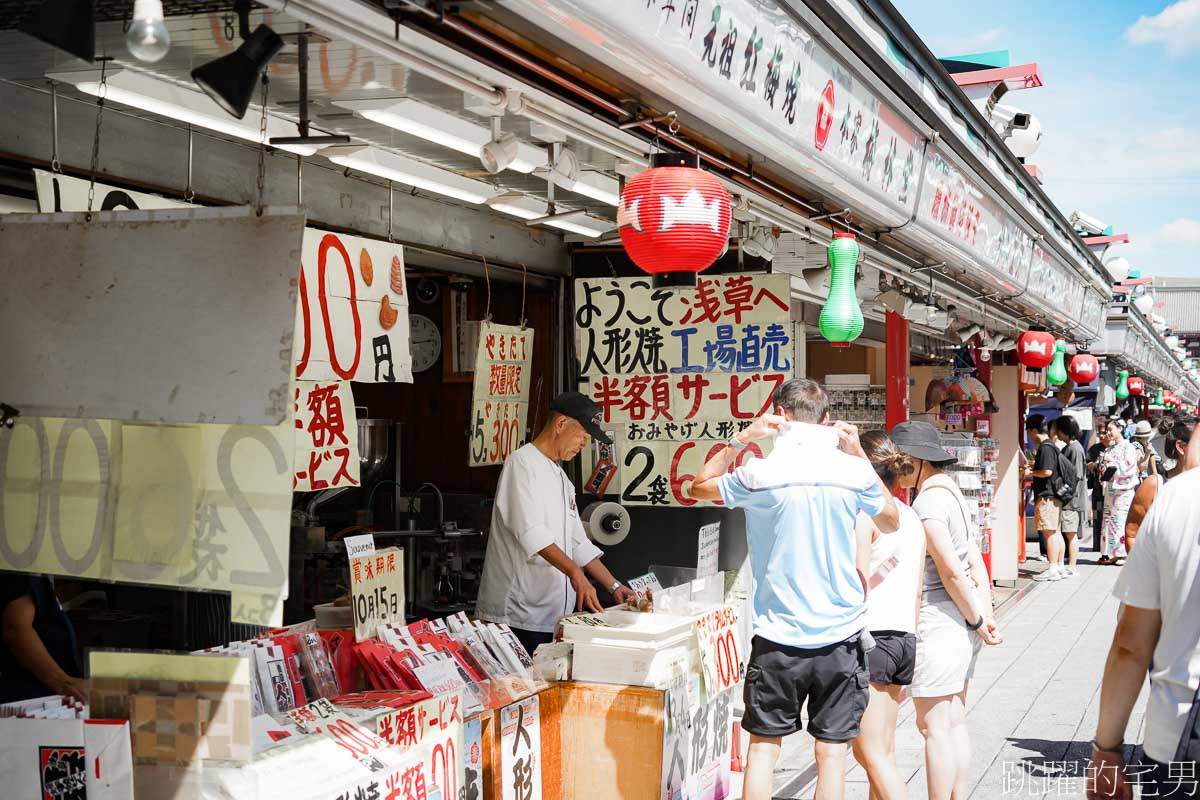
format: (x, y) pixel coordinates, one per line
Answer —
(831, 770)
(875, 746)
(961, 734)
(760, 767)
(1072, 545)
(935, 722)
(1054, 548)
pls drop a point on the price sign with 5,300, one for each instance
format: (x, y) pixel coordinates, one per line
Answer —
(377, 590)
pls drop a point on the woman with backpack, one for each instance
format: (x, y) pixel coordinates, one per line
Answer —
(1119, 470)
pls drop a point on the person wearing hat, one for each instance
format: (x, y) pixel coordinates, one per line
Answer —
(539, 559)
(1148, 461)
(957, 599)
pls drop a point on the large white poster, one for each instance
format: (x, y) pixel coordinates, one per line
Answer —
(500, 395)
(679, 372)
(352, 315)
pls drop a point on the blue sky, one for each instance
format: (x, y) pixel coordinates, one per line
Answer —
(1120, 108)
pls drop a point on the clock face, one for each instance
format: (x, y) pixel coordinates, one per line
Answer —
(425, 342)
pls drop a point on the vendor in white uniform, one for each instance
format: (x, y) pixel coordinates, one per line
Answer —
(538, 555)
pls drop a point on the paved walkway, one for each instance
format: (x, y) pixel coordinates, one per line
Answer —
(1032, 704)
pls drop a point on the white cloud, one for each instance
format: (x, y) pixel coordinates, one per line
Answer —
(1177, 27)
(1182, 232)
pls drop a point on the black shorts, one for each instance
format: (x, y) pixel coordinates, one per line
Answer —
(780, 679)
(894, 657)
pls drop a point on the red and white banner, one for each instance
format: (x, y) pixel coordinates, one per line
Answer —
(720, 652)
(326, 436)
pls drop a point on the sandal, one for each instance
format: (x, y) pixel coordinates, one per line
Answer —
(1104, 560)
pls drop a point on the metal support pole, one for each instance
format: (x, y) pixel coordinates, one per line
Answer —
(896, 355)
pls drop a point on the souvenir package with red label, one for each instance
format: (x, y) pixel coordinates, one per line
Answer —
(291, 660)
(344, 664)
(319, 675)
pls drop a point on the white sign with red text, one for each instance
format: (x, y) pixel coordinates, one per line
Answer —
(431, 735)
(500, 395)
(376, 591)
(721, 655)
(326, 436)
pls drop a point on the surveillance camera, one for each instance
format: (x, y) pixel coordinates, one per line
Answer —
(1021, 120)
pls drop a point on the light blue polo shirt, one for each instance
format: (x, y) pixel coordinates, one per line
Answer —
(801, 502)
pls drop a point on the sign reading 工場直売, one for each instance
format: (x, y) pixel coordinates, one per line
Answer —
(376, 590)
(679, 372)
(326, 436)
(500, 395)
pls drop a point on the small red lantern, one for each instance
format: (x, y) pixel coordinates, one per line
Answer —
(1035, 349)
(1083, 369)
(674, 219)
(1136, 386)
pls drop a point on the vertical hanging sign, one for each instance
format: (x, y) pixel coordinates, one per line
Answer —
(521, 750)
(500, 397)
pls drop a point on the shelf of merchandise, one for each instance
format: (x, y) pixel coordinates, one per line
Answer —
(975, 474)
(864, 406)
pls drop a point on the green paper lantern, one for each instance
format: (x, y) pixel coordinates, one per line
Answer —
(841, 319)
(1057, 375)
(1158, 399)
(1123, 385)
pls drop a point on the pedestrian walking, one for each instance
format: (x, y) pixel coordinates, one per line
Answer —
(1158, 626)
(1118, 469)
(957, 600)
(1096, 486)
(1177, 434)
(1047, 507)
(801, 504)
(1073, 518)
(1143, 432)
(894, 571)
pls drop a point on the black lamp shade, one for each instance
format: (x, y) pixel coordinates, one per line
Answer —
(231, 79)
(69, 25)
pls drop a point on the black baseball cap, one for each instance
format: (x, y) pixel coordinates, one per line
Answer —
(583, 410)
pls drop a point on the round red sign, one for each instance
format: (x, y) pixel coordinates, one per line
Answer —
(824, 116)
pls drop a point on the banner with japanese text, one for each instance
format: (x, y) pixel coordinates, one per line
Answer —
(197, 506)
(352, 313)
(679, 372)
(521, 750)
(500, 394)
(431, 735)
(326, 436)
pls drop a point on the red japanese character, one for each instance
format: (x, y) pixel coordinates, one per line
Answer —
(706, 304)
(357, 571)
(607, 394)
(391, 562)
(693, 385)
(368, 566)
(379, 563)
(735, 390)
(413, 784)
(496, 379)
(327, 424)
(491, 345)
(386, 731)
(406, 729)
(343, 470)
(503, 347)
(660, 396)
(514, 380)
(296, 410)
(512, 347)
(737, 296)
(314, 463)
(393, 787)
(636, 404)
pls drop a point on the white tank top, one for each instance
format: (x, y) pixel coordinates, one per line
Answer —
(892, 602)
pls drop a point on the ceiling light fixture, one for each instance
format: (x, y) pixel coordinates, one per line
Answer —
(403, 169)
(440, 127)
(565, 173)
(536, 212)
(147, 38)
(162, 97)
(69, 25)
(231, 79)
(761, 244)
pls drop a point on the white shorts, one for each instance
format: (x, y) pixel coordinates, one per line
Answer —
(946, 651)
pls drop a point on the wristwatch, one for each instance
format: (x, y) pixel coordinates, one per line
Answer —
(613, 589)
(977, 625)
(737, 444)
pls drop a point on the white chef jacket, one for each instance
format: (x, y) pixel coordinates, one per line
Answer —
(535, 508)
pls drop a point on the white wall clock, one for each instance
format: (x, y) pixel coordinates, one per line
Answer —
(425, 342)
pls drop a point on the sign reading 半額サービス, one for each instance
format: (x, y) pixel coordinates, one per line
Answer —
(500, 395)
(326, 436)
(430, 733)
(352, 314)
(679, 372)
(376, 590)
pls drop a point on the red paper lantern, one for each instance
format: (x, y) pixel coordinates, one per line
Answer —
(674, 219)
(1136, 386)
(1035, 349)
(1083, 369)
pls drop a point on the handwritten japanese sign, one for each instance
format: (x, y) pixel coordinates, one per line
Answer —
(326, 435)
(720, 656)
(431, 735)
(352, 314)
(521, 750)
(708, 550)
(678, 373)
(697, 741)
(195, 506)
(376, 590)
(500, 396)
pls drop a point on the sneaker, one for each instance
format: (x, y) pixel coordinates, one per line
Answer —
(1035, 557)
(1051, 574)
(1070, 573)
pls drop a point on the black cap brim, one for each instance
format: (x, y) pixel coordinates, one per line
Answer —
(595, 431)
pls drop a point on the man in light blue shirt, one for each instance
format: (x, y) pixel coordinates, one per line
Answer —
(801, 503)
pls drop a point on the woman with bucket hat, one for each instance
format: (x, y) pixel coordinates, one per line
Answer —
(957, 601)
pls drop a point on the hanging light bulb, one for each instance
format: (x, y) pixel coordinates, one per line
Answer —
(147, 38)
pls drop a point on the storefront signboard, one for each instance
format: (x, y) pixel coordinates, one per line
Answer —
(376, 590)
(521, 750)
(679, 372)
(193, 506)
(967, 225)
(500, 395)
(326, 436)
(1056, 286)
(1092, 318)
(352, 314)
(750, 67)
